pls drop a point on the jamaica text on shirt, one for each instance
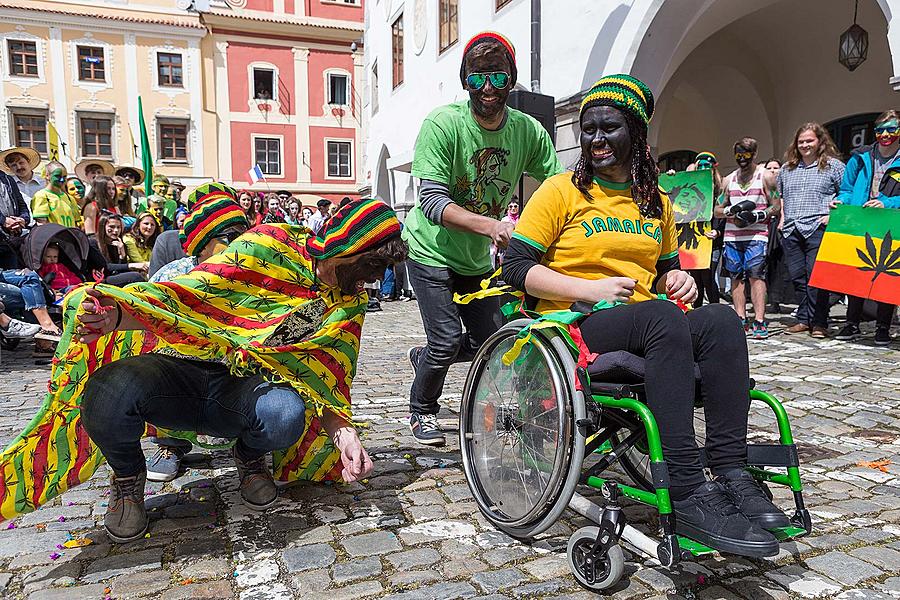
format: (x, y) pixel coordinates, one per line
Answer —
(614, 224)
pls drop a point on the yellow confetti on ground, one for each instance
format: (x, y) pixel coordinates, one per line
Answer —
(78, 543)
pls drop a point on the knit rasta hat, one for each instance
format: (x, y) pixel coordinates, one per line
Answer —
(706, 156)
(211, 190)
(482, 38)
(623, 92)
(356, 227)
(209, 218)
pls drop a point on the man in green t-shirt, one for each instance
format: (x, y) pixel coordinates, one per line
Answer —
(52, 204)
(469, 157)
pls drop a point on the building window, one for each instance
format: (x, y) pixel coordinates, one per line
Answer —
(502, 3)
(263, 84)
(169, 69)
(23, 59)
(337, 89)
(96, 137)
(31, 131)
(91, 66)
(448, 22)
(173, 137)
(397, 49)
(268, 155)
(339, 159)
(374, 91)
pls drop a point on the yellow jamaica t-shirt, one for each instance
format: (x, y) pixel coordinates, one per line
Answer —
(598, 238)
(56, 208)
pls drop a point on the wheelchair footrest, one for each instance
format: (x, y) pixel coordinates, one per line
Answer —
(694, 547)
(788, 533)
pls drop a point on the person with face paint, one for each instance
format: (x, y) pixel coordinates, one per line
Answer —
(605, 235)
(277, 380)
(21, 162)
(870, 180)
(747, 204)
(52, 204)
(469, 157)
(807, 183)
(706, 278)
(90, 168)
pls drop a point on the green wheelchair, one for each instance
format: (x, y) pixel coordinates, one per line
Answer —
(528, 424)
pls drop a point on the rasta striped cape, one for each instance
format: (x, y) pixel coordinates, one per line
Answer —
(250, 307)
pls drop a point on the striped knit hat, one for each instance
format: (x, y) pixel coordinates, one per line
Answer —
(209, 218)
(211, 190)
(623, 92)
(707, 156)
(490, 36)
(356, 227)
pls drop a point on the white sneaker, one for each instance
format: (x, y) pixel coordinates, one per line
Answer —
(20, 330)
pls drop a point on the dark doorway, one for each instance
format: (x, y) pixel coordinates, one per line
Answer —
(677, 160)
(851, 133)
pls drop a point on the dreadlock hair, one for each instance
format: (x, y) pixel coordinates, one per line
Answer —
(644, 173)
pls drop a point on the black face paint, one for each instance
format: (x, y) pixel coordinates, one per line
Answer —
(488, 102)
(606, 143)
(350, 276)
(743, 157)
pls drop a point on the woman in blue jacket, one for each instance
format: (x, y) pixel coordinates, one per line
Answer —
(872, 179)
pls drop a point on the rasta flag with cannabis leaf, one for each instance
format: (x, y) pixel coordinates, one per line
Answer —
(860, 254)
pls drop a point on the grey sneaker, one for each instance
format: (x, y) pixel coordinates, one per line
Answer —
(20, 330)
(126, 518)
(257, 486)
(165, 464)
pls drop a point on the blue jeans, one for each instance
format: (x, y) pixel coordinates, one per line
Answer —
(191, 395)
(29, 283)
(800, 254)
(12, 300)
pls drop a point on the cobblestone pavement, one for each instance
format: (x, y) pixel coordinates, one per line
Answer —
(412, 530)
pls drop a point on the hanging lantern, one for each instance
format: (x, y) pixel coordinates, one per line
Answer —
(854, 44)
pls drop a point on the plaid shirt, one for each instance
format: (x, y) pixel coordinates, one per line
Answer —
(806, 193)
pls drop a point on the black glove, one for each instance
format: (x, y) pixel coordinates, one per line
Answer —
(745, 218)
(742, 206)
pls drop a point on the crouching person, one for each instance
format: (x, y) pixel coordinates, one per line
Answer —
(258, 344)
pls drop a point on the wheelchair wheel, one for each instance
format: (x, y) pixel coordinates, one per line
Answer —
(636, 462)
(521, 450)
(596, 573)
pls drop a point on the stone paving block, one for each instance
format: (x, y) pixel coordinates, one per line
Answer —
(69, 593)
(256, 573)
(435, 530)
(863, 594)
(546, 567)
(356, 568)
(803, 582)
(843, 568)
(53, 513)
(272, 591)
(119, 564)
(316, 535)
(414, 558)
(494, 581)
(717, 592)
(211, 590)
(207, 568)
(364, 589)
(28, 541)
(441, 591)
(368, 544)
(136, 585)
(537, 590)
(308, 557)
(880, 556)
(412, 579)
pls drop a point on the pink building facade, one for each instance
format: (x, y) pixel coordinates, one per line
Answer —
(288, 76)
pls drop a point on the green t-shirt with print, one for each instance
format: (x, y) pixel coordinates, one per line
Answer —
(482, 170)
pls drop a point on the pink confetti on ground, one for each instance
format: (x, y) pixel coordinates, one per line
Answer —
(61, 519)
(11, 526)
(54, 555)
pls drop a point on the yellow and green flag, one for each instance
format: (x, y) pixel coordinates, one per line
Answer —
(691, 194)
(860, 254)
(52, 142)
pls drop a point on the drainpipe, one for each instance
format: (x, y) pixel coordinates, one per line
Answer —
(536, 46)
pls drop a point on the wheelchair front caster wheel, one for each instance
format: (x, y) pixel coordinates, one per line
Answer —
(596, 572)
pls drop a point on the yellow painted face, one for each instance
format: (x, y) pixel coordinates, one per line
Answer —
(160, 188)
(75, 189)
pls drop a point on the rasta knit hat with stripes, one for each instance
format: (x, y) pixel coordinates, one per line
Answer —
(211, 190)
(496, 38)
(209, 218)
(623, 92)
(356, 227)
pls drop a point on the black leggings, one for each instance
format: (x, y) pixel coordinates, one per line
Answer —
(706, 282)
(671, 342)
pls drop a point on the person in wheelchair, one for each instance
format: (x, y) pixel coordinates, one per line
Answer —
(605, 235)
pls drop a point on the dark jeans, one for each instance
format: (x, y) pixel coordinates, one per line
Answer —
(800, 255)
(181, 394)
(446, 342)
(706, 282)
(883, 313)
(670, 343)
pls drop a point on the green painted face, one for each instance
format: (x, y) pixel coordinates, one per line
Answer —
(58, 177)
(75, 189)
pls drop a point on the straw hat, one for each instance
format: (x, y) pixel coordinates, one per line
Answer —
(121, 169)
(81, 168)
(34, 159)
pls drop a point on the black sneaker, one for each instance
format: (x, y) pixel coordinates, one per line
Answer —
(883, 336)
(850, 331)
(711, 518)
(413, 355)
(426, 430)
(746, 494)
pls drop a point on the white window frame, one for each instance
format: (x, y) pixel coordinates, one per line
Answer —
(91, 86)
(88, 114)
(326, 76)
(374, 82)
(159, 121)
(40, 45)
(349, 177)
(269, 136)
(169, 89)
(251, 91)
(27, 111)
(355, 3)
